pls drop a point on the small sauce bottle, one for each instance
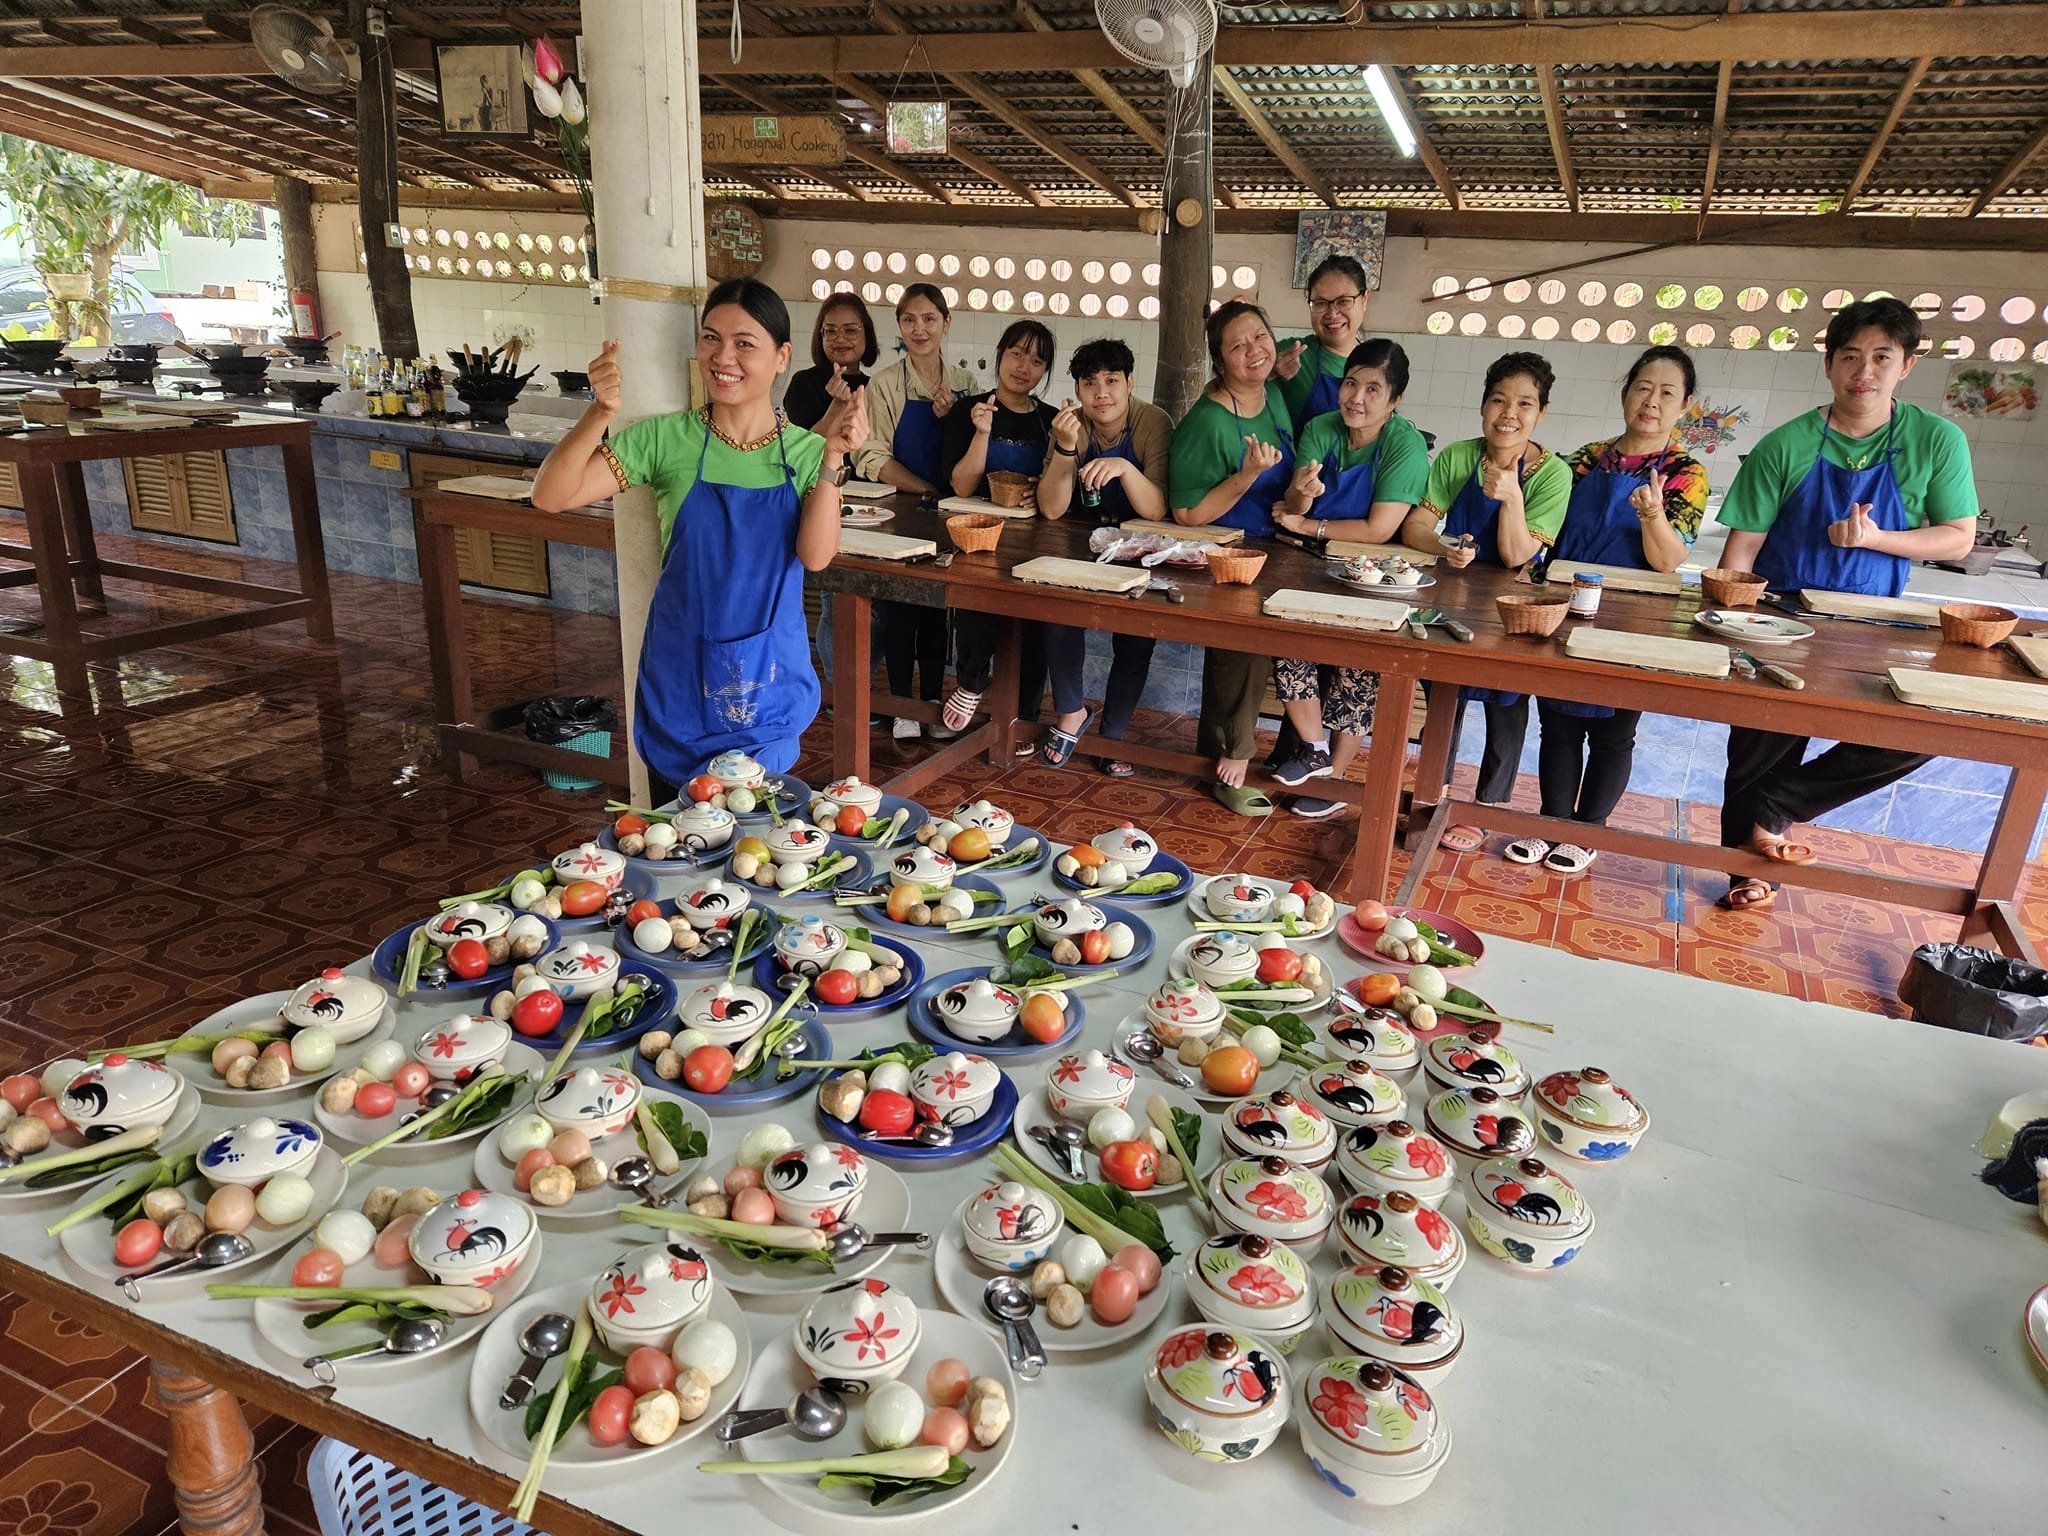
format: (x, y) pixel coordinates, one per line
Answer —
(1586, 589)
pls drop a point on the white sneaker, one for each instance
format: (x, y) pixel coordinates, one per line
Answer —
(906, 730)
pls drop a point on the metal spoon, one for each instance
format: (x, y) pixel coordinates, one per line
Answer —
(816, 1413)
(541, 1340)
(1064, 1141)
(440, 1094)
(635, 1175)
(406, 1336)
(214, 1250)
(1008, 1300)
(1144, 1048)
(931, 1133)
(852, 1239)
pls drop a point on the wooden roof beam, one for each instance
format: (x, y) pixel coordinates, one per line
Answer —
(2028, 152)
(1717, 137)
(988, 170)
(1914, 75)
(160, 157)
(1260, 124)
(169, 61)
(1560, 146)
(344, 161)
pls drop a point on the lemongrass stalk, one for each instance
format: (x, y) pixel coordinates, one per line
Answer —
(976, 924)
(568, 1049)
(413, 1127)
(1292, 928)
(492, 893)
(800, 1239)
(1444, 1005)
(544, 1447)
(1159, 1110)
(1106, 1232)
(91, 1152)
(135, 1180)
(829, 868)
(750, 1048)
(911, 1461)
(1023, 853)
(749, 921)
(620, 808)
(186, 1045)
(455, 1300)
(1066, 983)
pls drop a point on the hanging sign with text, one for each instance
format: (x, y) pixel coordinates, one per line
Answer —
(807, 138)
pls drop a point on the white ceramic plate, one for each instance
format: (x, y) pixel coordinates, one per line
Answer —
(1752, 628)
(779, 1376)
(1315, 999)
(962, 1278)
(1032, 1109)
(1198, 910)
(183, 1114)
(498, 1356)
(281, 1321)
(855, 515)
(253, 1013)
(590, 1206)
(360, 1130)
(884, 1207)
(90, 1245)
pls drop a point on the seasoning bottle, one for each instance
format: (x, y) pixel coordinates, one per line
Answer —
(394, 402)
(1586, 589)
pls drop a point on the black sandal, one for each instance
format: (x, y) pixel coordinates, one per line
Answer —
(1059, 745)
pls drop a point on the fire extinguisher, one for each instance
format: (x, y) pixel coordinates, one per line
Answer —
(305, 315)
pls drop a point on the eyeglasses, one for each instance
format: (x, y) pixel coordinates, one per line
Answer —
(845, 332)
(1342, 301)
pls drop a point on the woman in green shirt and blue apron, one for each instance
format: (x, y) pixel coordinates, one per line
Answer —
(1310, 369)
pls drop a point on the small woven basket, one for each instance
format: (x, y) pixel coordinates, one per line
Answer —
(975, 533)
(1731, 589)
(1235, 567)
(1977, 624)
(1528, 615)
(1008, 488)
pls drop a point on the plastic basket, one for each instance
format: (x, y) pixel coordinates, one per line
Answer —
(358, 1494)
(590, 744)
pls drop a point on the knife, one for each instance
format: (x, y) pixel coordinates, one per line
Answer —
(1803, 614)
(1784, 677)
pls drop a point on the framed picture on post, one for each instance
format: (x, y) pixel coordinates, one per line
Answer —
(482, 95)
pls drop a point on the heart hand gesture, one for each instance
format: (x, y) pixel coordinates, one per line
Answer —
(1856, 531)
(1308, 483)
(845, 426)
(984, 415)
(1066, 426)
(1648, 500)
(604, 377)
(1287, 362)
(1258, 458)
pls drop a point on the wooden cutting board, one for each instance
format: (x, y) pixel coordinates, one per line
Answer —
(983, 504)
(1336, 609)
(197, 410)
(1172, 530)
(883, 546)
(495, 487)
(1856, 605)
(1971, 695)
(2032, 651)
(867, 490)
(1082, 575)
(1654, 653)
(1344, 549)
(1621, 578)
(134, 424)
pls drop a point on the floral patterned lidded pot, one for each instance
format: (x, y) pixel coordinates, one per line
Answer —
(1274, 1198)
(347, 1007)
(992, 819)
(955, 1089)
(1183, 1009)
(259, 1149)
(1224, 958)
(816, 1186)
(1217, 1394)
(1588, 1116)
(590, 862)
(1355, 1093)
(648, 1295)
(578, 969)
(809, 945)
(1475, 1059)
(1281, 1125)
(1011, 1226)
(594, 1100)
(736, 770)
(866, 798)
(456, 1050)
(1080, 1084)
(1379, 1038)
(1385, 1313)
(1399, 1229)
(858, 1334)
(1372, 1432)
(701, 826)
(1243, 1280)
(1477, 1123)
(1529, 1217)
(1379, 1159)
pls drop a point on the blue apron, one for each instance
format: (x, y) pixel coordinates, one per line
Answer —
(1116, 506)
(1019, 457)
(1796, 551)
(1253, 511)
(1347, 493)
(725, 663)
(1478, 514)
(1323, 394)
(915, 444)
(1601, 528)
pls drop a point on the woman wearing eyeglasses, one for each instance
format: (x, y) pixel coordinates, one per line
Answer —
(1310, 369)
(842, 342)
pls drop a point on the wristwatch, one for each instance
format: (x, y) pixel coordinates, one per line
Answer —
(843, 473)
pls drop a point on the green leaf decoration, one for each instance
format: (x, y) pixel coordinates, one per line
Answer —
(1452, 1106)
(1394, 1426)
(1191, 1381)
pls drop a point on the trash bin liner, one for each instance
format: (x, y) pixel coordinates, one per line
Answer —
(1959, 986)
(556, 721)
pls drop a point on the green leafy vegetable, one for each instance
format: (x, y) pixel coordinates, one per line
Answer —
(1148, 885)
(169, 1174)
(1017, 941)
(583, 1391)
(1290, 1027)
(681, 1132)
(760, 1253)
(883, 1489)
(72, 1172)
(1187, 1131)
(1135, 1216)
(488, 1100)
(1026, 971)
(372, 1311)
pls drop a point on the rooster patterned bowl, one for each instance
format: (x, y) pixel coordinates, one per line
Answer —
(649, 1295)
(1280, 1125)
(122, 1093)
(858, 1334)
(1377, 1037)
(1379, 1159)
(1475, 1058)
(590, 862)
(992, 819)
(1399, 1229)
(736, 770)
(1180, 1009)
(1243, 1280)
(1129, 846)
(1588, 1116)
(955, 1089)
(1058, 920)
(1083, 1083)
(1354, 1093)
(1385, 1313)
(924, 866)
(1523, 1214)
(1276, 1200)
(578, 969)
(1218, 1394)
(1477, 1123)
(726, 1011)
(809, 945)
(347, 1007)
(978, 1010)
(473, 1238)
(1371, 1432)
(816, 1186)
(701, 826)
(1011, 1226)
(479, 920)
(796, 842)
(865, 798)
(712, 902)
(456, 1049)
(1239, 899)
(1223, 959)
(594, 1100)
(258, 1149)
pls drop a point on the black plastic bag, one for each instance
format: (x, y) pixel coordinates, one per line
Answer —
(553, 721)
(1959, 986)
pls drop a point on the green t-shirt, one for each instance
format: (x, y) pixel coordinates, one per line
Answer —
(1208, 445)
(663, 451)
(1546, 489)
(1930, 458)
(1296, 389)
(1402, 472)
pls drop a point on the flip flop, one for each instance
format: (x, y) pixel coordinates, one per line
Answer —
(1461, 839)
(1783, 852)
(1117, 768)
(1523, 850)
(1569, 859)
(960, 709)
(1242, 799)
(1059, 744)
(1748, 896)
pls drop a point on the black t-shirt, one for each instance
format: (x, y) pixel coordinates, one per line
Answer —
(805, 401)
(1033, 426)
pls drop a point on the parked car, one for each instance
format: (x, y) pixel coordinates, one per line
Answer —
(139, 315)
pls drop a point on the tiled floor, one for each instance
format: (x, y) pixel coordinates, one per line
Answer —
(267, 806)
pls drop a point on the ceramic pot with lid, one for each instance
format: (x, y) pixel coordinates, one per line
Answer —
(1354, 1093)
(809, 945)
(474, 1238)
(978, 1010)
(1218, 1394)
(1245, 1281)
(793, 841)
(1529, 1217)
(1011, 1226)
(1379, 1038)
(594, 1100)
(712, 901)
(1477, 1123)
(1588, 1116)
(122, 1093)
(1183, 1009)
(456, 1050)
(1087, 1081)
(1372, 1433)
(1223, 959)
(479, 920)
(866, 798)
(1385, 1313)
(258, 1149)
(1275, 1199)
(736, 770)
(578, 969)
(858, 1334)
(590, 862)
(726, 1011)
(701, 826)
(1129, 846)
(1379, 1159)
(919, 865)
(1239, 899)
(347, 1007)
(1058, 920)
(1280, 1124)
(955, 1089)
(816, 1186)
(992, 819)
(1475, 1058)
(647, 1296)
(1399, 1229)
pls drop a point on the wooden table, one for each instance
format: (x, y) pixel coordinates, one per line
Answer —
(1846, 699)
(497, 734)
(50, 462)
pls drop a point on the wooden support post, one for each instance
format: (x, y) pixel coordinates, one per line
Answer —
(295, 221)
(377, 187)
(210, 1458)
(1185, 249)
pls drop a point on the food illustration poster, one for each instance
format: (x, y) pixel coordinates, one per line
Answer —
(2008, 392)
(1725, 423)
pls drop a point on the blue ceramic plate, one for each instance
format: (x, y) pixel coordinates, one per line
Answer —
(1184, 880)
(876, 913)
(389, 956)
(676, 864)
(717, 960)
(657, 1008)
(889, 806)
(859, 872)
(925, 1021)
(741, 1096)
(1141, 948)
(768, 977)
(967, 1140)
(1038, 861)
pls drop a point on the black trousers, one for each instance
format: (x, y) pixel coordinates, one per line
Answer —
(1065, 648)
(1507, 727)
(1582, 763)
(913, 639)
(1770, 786)
(974, 658)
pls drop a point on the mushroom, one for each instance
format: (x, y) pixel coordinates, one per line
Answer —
(526, 946)
(501, 1004)
(1066, 952)
(498, 949)
(239, 1070)
(632, 845)
(988, 1410)
(1046, 1276)
(704, 1185)
(692, 1393)
(28, 1134)
(668, 1066)
(656, 1416)
(380, 1205)
(1064, 1304)
(183, 1231)
(339, 1096)
(270, 1072)
(841, 1097)
(416, 1201)
(160, 1205)
(591, 1173)
(553, 1185)
(654, 1042)
(717, 1207)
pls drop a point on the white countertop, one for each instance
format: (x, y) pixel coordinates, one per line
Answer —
(1799, 1312)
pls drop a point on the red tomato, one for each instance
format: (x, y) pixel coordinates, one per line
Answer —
(1114, 1294)
(1370, 915)
(649, 1370)
(1094, 947)
(138, 1242)
(318, 1266)
(640, 911)
(887, 1112)
(468, 959)
(610, 1414)
(705, 787)
(850, 820)
(1303, 888)
(837, 988)
(537, 1013)
(22, 1090)
(374, 1099)
(708, 1069)
(580, 898)
(46, 1110)
(530, 1163)
(410, 1080)
(629, 823)
(1279, 965)
(1131, 1164)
